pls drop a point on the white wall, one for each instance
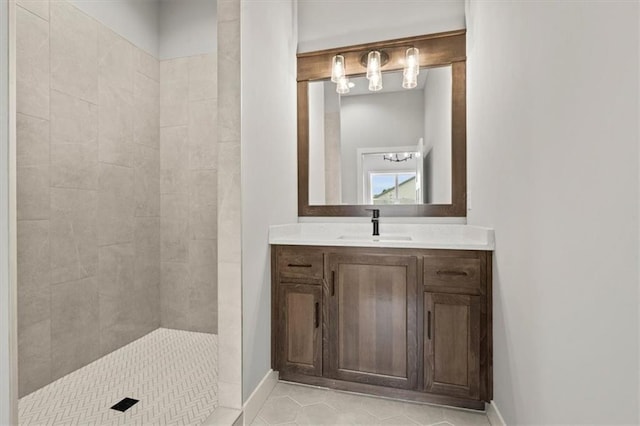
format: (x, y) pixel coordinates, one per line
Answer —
(316, 143)
(380, 120)
(325, 24)
(553, 167)
(135, 20)
(437, 132)
(269, 188)
(6, 310)
(187, 28)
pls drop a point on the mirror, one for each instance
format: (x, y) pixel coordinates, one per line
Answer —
(402, 151)
(387, 147)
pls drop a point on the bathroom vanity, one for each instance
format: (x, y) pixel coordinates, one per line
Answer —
(406, 315)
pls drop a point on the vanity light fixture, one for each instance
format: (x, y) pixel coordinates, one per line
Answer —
(339, 75)
(374, 73)
(411, 68)
(396, 158)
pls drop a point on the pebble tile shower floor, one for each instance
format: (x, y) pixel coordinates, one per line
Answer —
(173, 373)
(291, 404)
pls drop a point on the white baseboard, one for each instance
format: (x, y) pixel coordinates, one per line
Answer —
(259, 396)
(223, 416)
(495, 418)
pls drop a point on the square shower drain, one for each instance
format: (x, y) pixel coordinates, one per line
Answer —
(125, 404)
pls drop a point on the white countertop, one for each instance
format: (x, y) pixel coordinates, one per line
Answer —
(428, 236)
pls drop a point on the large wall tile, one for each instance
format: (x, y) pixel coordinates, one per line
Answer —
(74, 166)
(175, 228)
(203, 138)
(34, 357)
(116, 269)
(73, 121)
(147, 272)
(116, 61)
(146, 99)
(39, 7)
(147, 181)
(74, 243)
(33, 192)
(203, 200)
(75, 340)
(229, 202)
(203, 292)
(147, 64)
(34, 295)
(174, 160)
(115, 205)
(174, 92)
(74, 52)
(174, 295)
(115, 286)
(32, 135)
(32, 64)
(115, 126)
(203, 77)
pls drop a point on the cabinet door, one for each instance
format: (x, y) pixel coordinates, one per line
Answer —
(300, 334)
(372, 320)
(452, 344)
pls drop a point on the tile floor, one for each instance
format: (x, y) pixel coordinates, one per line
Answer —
(173, 373)
(304, 405)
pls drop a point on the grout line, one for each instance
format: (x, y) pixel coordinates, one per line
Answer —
(19, 5)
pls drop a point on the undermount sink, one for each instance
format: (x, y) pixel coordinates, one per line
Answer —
(375, 238)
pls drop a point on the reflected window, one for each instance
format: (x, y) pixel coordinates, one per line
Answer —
(393, 188)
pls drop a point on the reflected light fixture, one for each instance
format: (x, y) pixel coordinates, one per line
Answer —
(411, 68)
(343, 86)
(397, 157)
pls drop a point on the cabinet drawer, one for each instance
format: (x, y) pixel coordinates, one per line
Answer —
(453, 274)
(301, 265)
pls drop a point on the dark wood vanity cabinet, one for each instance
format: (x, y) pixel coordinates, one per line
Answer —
(371, 321)
(405, 323)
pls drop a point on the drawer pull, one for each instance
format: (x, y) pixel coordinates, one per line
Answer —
(317, 315)
(333, 283)
(303, 265)
(452, 273)
(429, 325)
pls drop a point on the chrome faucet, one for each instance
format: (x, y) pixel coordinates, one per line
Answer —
(376, 221)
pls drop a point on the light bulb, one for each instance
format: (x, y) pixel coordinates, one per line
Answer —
(337, 69)
(412, 61)
(373, 64)
(342, 86)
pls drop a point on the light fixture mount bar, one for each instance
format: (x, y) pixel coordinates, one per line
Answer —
(384, 58)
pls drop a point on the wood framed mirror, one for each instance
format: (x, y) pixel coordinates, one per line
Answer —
(402, 151)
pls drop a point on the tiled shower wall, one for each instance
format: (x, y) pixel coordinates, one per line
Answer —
(88, 191)
(188, 187)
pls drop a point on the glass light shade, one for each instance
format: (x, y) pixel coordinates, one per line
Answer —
(412, 61)
(337, 68)
(342, 86)
(375, 82)
(373, 64)
(409, 81)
